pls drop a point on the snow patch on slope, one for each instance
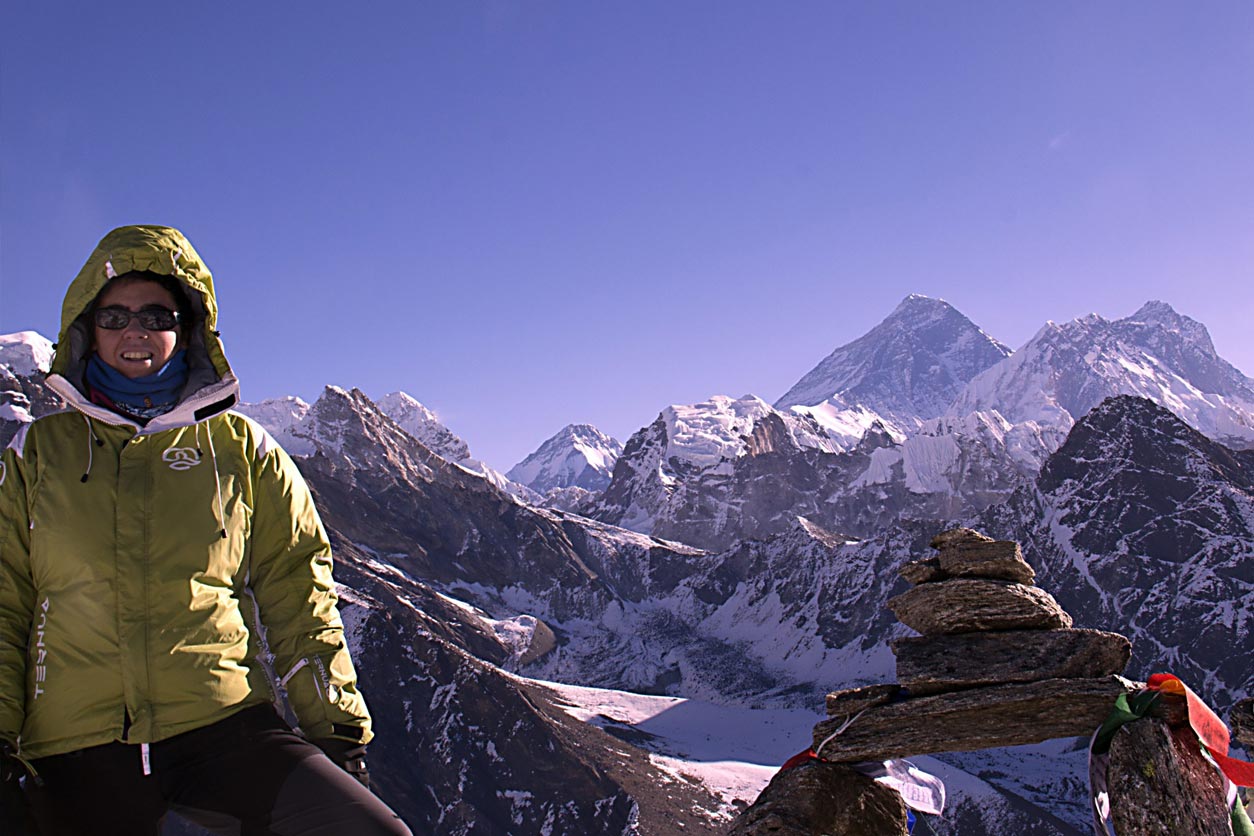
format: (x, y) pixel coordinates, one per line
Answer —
(846, 425)
(283, 419)
(714, 431)
(734, 751)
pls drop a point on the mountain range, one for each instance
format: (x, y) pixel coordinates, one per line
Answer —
(741, 553)
(886, 443)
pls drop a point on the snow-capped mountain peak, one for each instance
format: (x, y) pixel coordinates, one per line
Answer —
(1067, 369)
(1155, 312)
(424, 425)
(282, 418)
(579, 455)
(907, 369)
(25, 352)
(24, 360)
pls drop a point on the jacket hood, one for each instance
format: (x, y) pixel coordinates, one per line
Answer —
(154, 249)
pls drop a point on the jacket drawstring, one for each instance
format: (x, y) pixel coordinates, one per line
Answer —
(217, 480)
(92, 438)
(31, 773)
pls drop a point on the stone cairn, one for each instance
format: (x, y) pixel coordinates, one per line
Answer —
(998, 663)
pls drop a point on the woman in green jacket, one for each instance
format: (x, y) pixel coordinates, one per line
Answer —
(165, 582)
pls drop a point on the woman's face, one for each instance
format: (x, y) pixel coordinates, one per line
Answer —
(133, 350)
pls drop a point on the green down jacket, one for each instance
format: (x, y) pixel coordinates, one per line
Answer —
(157, 579)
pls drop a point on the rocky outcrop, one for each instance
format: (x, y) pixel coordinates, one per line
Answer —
(966, 552)
(1242, 721)
(1141, 522)
(821, 797)
(1160, 783)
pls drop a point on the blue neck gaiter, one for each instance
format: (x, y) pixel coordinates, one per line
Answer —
(141, 395)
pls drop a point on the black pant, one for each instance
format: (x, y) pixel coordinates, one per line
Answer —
(249, 775)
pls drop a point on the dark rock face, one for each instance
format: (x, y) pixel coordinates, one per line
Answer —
(461, 748)
(436, 521)
(636, 488)
(931, 664)
(1242, 722)
(965, 605)
(823, 798)
(1159, 783)
(978, 718)
(25, 393)
(1139, 521)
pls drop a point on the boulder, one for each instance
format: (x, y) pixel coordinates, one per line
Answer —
(930, 664)
(1159, 782)
(823, 798)
(978, 718)
(966, 605)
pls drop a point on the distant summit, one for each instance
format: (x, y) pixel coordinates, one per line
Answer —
(1066, 370)
(907, 369)
(25, 352)
(579, 456)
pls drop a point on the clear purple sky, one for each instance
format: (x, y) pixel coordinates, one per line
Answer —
(527, 214)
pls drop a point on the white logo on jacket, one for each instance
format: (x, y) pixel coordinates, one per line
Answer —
(41, 650)
(181, 458)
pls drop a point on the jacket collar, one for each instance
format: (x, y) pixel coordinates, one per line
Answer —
(211, 400)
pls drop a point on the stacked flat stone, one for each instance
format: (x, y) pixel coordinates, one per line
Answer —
(998, 663)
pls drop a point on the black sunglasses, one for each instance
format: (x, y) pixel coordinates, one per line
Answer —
(115, 318)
